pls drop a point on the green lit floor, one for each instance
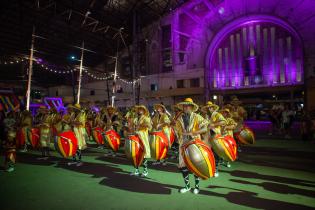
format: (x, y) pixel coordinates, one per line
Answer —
(273, 174)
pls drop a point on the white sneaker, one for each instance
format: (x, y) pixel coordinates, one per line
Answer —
(156, 163)
(184, 190)
(216, 174)
(136, 173)
(164, 163)
(79, 164)
(196, 191)
(71, 163)
(145, 174)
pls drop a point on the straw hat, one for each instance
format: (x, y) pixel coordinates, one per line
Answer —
(235, 101)
(208, 105)
(146, 111)
(77, 106)
(108, 108)
(188, 101)
(42, 109)
(156, 106)
(226, 110)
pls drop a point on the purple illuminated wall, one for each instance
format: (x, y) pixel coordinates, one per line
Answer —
(255, 53)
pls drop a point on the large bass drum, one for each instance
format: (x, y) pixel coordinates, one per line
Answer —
(66, 144)
(158, 145)
(225, 147)
(245, 136)
(199, 158)
(134, 149)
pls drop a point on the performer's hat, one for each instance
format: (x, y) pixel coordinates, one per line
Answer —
(235, 101)
(188, 101)
(146, 111)
(225, 110)
(111, 108)
(42, 109)
(77, 106)
(208, 105)
(156, 106)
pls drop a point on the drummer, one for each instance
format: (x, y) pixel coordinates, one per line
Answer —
(25, 123)
(176, 115)
(143, 125)
(111, 121)
(161, 122)
(9, 144)
(189, 126)
(97, 122)
(67, 119)
(239, 114)
(228, 128)
(79, 130)
(45, 123)
(216, 123)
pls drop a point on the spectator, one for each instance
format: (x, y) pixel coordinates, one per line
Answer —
(287, 117)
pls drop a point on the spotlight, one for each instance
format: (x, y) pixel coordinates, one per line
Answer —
(215, 97)
(221, 10)
(72, 57)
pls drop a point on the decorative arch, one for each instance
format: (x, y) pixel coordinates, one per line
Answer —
(254, 51)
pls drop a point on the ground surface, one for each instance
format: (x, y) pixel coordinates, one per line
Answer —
(272, 174)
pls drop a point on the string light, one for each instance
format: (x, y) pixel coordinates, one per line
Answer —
(96, 76)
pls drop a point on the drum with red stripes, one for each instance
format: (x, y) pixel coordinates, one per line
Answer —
(134, 149)
(112, 139)
(22, 137)
(88, 128)
(199, 158)
(225, 147)
(158, 145)
(33, 137)
(97, 134)
(172, 136)
(245, 136)
(66, 144)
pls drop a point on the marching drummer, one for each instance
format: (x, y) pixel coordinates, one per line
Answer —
(189, 126)
(111, 121)
(9, 144)
(25, 122)
(228, 128)
(67, 119)
(80, 133)
(216, 123)
(142, 126)
(45, 131)
(238, 114)
(161, 122)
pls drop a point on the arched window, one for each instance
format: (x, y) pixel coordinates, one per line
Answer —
(255, 52)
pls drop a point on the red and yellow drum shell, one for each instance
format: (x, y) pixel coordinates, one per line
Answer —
(158, 145)
(10, 155)
(225, 147)
(134, 149)
(199, 158)
(112, 139)
(88, 129)
(66, 144)
(245, 136)
(172, 136)
(21, 137)
(97, 134)
(33, 137)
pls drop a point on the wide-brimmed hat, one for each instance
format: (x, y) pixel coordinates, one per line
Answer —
(77, 106)
(188, 101)
(208, 105)
(156, 106)
(226, 110)
(111, 108)
(235, 101)
(42, 109)
(146, 111)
